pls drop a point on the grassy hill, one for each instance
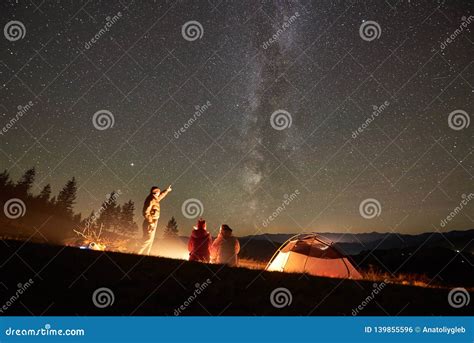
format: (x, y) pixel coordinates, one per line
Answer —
(65, 279)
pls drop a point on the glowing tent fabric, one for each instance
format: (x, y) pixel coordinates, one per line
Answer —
(311, 254)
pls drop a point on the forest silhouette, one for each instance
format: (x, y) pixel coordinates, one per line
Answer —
(52, 219)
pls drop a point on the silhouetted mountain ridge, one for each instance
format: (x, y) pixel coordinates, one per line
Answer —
(354, 243)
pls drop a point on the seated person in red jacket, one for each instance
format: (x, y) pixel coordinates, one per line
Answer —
(200, 242)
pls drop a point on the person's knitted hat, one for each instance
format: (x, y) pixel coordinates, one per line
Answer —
(226, 227)
(201, 224)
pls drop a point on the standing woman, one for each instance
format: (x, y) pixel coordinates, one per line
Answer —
(200, 242)
(226, 247)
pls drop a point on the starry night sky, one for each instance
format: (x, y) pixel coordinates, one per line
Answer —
(319, 70)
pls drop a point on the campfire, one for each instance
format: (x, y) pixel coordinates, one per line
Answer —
(91, 239)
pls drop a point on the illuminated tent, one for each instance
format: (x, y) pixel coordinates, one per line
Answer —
(312, 254)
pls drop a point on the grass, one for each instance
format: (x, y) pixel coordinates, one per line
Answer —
(252, 264)
(372, 274)
(66, 278)
(418, 280)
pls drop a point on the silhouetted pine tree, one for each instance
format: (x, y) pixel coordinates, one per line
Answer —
(25, 183)
(171, 230)
(88, 222)
(109, 213)
(127, 224)
(67, 197)
(45, 193)
(6, 186)
(77, 218)
(7, 191)
(54, 217)
(5, 181)
(41, 207)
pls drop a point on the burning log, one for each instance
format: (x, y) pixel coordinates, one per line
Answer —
(100, 239)
(91, 239)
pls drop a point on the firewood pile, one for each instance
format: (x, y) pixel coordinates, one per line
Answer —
(100, 240)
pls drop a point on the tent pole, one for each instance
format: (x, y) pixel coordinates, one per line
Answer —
(279, 249)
